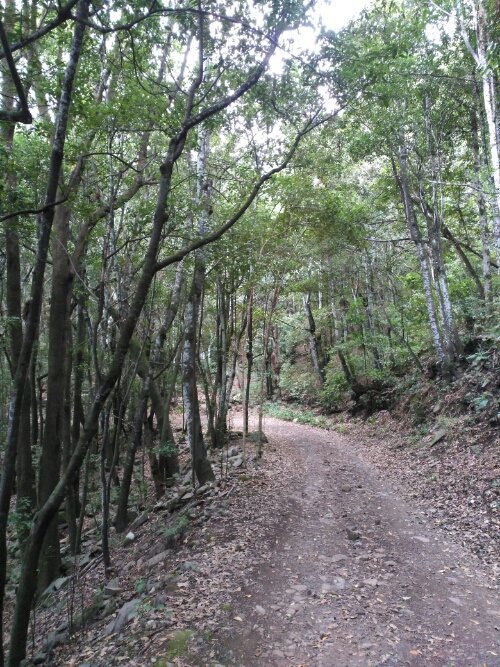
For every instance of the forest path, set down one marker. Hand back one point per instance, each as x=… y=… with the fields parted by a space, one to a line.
x=354 y=576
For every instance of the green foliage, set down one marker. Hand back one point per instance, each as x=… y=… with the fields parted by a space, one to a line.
x=140 y=585
x=20 y=519
x=479 y=357
x=299 y=415
x=177 y=647
x=419 y=409
x=334 y=390
x=175 y=531
x=167 y=449
x=298 y=383
x=331 y=228
x=482 y=401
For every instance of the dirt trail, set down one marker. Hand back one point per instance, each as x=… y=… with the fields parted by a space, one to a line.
x=357 y=576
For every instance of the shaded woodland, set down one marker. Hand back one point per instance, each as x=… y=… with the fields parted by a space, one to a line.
x=199 y=210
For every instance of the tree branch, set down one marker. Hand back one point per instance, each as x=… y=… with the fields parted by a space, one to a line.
x=214 y=236
x=32 y=211
x=21 y=115
x=62 y=15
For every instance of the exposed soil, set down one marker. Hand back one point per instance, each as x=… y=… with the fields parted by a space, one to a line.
x=452 y=473
x=313 y=557
x=356 y=576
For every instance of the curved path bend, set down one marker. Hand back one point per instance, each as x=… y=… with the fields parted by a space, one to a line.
x=357 y=577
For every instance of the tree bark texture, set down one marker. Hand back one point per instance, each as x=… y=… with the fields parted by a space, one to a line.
x=201 y=466
x=416 y=236
x=15 y=410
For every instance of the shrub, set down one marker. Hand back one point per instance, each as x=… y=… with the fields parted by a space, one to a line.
x=299 y=415
x=334 y=389
x=298 y=383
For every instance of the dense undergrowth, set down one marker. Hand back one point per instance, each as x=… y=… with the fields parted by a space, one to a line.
x=473 y=390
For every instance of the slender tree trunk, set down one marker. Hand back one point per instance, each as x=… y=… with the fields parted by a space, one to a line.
x=83 y=505
x=202 y=469
x=34 y=406
x=268 y=316
x=205 y=376
x=225 y=401
x=121 y=519
x=403 y=340
x=433 y=216
x=275 y=364
x=314 y=342
x=491 y=110
x=71 y=500
x=105 y=447
x=25 y=478
x=414 y=229
x=249 y=355
x=80 y=363
x=62 y=284
x=168 y=460
x=370 y=320
x=45 y=220
x=50 y=460
x=221 y=377
x=447 y=234
x=338 y=339
x=481 y=56
x=480 y=174
x=200 y=463
x=451 y=342
x=25 y=490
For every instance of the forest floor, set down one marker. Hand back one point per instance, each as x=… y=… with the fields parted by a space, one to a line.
x=356 y=575
x=318 y=556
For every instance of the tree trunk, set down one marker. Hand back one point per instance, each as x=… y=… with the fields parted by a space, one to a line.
x=80 y=363
x=50 y=460
x=338 y=337
x=314 y=342
x=491 y=110
x=168 y=460
x=71 y=501
x=480 y=175
x=18 y=641
x=415 y=234
x=121 y=519
x=268 y=316
x=370 y=319
x=201 y=467
x=225 y=401
x=200 y=463
x=249 y=355
x=482 y=59
x=433 y=216
x=465 y=260
x=25 y=488
x=205 y=375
